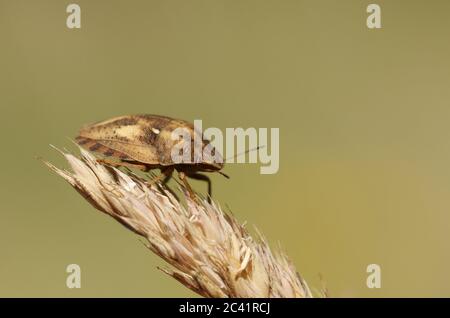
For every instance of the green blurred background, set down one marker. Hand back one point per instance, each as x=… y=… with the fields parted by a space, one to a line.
x=363 y=115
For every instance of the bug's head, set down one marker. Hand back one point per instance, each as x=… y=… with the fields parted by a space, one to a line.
x=212 y=160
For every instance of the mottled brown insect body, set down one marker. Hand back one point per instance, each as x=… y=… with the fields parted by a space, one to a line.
x=145 y=142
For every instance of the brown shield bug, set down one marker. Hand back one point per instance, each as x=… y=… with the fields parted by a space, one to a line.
x=145 y=142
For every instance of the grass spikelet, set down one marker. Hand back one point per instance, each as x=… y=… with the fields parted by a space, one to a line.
x=208 y=250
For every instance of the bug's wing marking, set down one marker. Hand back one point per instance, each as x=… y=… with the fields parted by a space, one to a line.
x=141 y=153
x=96 y=146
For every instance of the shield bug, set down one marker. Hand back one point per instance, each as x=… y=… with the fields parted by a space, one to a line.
x=145 y=142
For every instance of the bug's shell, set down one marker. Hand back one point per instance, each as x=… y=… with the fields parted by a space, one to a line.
x=141 y=138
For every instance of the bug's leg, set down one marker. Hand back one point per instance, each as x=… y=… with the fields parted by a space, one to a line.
x=165 y=174
x=202 y=177
x=167 y=178
x=183 y=178
x=164 y=186
x=117 y=164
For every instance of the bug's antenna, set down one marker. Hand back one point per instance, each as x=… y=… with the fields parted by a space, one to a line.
x=243 y=153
